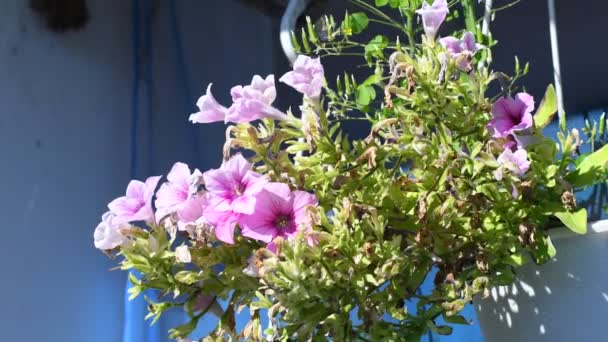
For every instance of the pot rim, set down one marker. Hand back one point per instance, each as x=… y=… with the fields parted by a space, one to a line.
x=597 y=227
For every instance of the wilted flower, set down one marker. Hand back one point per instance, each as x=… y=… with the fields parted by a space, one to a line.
x=209 y=109
x=278 y=212
x=511 y=115
x=517 y=162
x=307 y=76
x=433 y=16
x=107 y=235
x=462 y=49
x=136 y=205
x=232 y=191
x=254 y=101
x=182 y=254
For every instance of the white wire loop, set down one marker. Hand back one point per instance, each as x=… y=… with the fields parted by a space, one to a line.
x=295 y=8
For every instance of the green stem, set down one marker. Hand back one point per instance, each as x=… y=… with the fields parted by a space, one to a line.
x=382 y=22
x=468 y=7
x=378 y=13
x=410 y=32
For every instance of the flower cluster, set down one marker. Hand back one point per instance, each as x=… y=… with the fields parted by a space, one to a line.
x=220 y=199
x=453 y=184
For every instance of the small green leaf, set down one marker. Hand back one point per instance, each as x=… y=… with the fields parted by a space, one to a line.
x=456 y=319
x=590 y=170
x=551 y=251
x=365 y=95
x=576 y=221
x=373 y=79
x=547 y=109
x=381 y=3
x=355 y=23
x=375 y=47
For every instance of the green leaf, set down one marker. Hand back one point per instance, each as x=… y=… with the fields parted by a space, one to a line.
x=456 y=319
x=381 y=3
x=551 y=251
x=590 y=170
x=359 y=22
x=365 y=95
x=547 y=109
x=373 y=79
x=375 y=47
x=576 y=221
x=355 y=23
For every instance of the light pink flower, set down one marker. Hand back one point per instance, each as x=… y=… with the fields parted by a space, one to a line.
x=224 y=223
x=178 y=196
x=231 y=191
x=107 y=235
x=433 y=16
x=137 y=204
x=511 y=115
x=278 y=212
x=209 y=109
x=191 y=213
x=307 y=76
x=461 y=50
x=516 y=162
x=253 y=102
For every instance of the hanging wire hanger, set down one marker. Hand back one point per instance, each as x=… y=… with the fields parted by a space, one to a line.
x=557 y=73
x=295 y=8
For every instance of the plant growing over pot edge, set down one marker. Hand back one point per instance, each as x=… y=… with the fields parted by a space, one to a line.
x=313 y=228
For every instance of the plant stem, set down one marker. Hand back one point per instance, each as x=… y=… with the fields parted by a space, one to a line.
x=410 y=32
x=378 y=13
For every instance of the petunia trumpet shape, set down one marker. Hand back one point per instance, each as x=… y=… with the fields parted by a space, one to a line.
x=254 y=102
x=516 y=162
x=231 y=190
x=136 y=205
x=209 y=109
x=279 y=212
x=107 y=235
x=178 y=196
x=462 y=49
x=511 y=115
x=433 y=16
x=249 y=103
x=307 y=76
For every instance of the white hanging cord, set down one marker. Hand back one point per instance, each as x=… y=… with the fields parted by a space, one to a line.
x=294 y=10
x=557 y=74
x=485 y=29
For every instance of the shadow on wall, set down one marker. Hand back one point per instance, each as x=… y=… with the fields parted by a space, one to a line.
x=563 y=300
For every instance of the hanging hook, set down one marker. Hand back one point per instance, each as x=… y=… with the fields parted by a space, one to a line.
x=294 y=10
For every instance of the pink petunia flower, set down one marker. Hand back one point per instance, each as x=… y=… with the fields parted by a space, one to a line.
x=462 y=49
x=279 y=212
x=180 y=194
x=307 y=76
x=136 y=205
x=232 y=191
x=516 y=162
x=107 y=235
x=433 y=16
x=254 y=102
x=209 y=109
x=511 y=115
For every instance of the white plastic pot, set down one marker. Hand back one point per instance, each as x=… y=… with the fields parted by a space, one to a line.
x=565 y=299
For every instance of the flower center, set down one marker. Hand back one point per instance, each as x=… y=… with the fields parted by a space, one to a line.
x=282 y=222
x=239 y=189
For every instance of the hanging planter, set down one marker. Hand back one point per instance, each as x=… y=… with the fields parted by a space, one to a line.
x=331 y=237
x=565 y=299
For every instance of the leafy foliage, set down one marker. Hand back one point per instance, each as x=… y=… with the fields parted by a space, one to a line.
x=418 y=194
